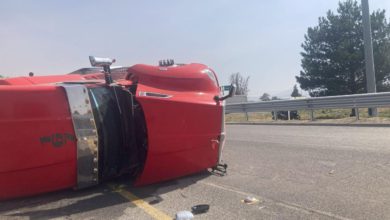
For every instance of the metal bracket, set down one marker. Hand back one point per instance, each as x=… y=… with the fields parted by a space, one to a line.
x=220 y=169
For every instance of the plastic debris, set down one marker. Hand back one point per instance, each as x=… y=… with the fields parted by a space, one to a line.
x=331 y=172
x=250 y=200
x=156 y=199
x=184 y=215
x=198 y=209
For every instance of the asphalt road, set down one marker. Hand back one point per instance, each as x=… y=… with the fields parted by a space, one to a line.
x=296 y=172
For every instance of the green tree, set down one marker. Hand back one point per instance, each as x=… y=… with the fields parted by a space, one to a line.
x=333 y=53
x=295 y=92
x=241 y=83
x=1 y=76
x=265 y=97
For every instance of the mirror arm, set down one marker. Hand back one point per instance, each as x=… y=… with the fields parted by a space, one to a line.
x=232 y=92
x=107 y=74
x=217 y=98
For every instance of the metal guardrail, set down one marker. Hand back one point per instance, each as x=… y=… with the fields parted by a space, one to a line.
x=328 y=102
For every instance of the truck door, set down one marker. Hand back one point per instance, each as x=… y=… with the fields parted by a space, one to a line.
x=183 y=136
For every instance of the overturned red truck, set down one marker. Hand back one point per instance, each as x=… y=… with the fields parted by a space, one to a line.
x=153 y=123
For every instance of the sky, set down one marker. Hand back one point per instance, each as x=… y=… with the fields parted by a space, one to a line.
x=260 y=39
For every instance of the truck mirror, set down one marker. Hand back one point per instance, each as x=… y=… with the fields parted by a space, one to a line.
x=105 y=63
x=232 y=90
x=100 y=62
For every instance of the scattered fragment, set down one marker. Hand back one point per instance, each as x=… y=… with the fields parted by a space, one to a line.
x=184 y=215
x=261 y=207
x=183 y=195
x=156 y=199
x=198 y=209
x=331 y=171
x=250 y=200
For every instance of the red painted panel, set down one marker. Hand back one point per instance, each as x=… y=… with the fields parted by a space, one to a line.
x=184 y=127
x=36 y=180
x=184 y=78
x=37 y=145
x=40 y=79
x=182 y=135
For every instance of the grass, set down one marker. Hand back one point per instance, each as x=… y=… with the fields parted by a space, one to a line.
x=324 y=115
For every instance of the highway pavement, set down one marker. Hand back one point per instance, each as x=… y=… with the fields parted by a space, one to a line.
x=295 y=172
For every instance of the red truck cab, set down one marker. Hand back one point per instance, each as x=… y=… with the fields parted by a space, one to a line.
x=76 y=130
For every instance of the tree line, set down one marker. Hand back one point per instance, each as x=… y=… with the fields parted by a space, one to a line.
x=333 y=52
x=333 y=55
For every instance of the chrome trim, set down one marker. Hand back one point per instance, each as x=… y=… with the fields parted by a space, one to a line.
x=86 y=134
x=222 y=135
x=154 y=94
x=82 y=82
x=89 y=70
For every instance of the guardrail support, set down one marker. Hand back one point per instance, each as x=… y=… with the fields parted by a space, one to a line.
x=275 y=114
x=246 y=116
x=312 y=115
x=289 y=117
x=357 y=114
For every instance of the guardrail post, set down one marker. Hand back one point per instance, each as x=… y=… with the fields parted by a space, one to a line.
x=246 y=116
x=372 y=112
x=312 y=115
x=289 y=117
x=357 y=114
x=275 y=115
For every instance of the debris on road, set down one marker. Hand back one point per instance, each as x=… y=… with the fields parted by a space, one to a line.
x=198 y=209
x=184 y=215
x=250 y=200
x=156 y=199
x=331 y=172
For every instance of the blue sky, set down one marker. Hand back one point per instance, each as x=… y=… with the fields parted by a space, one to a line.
x=260 y=39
